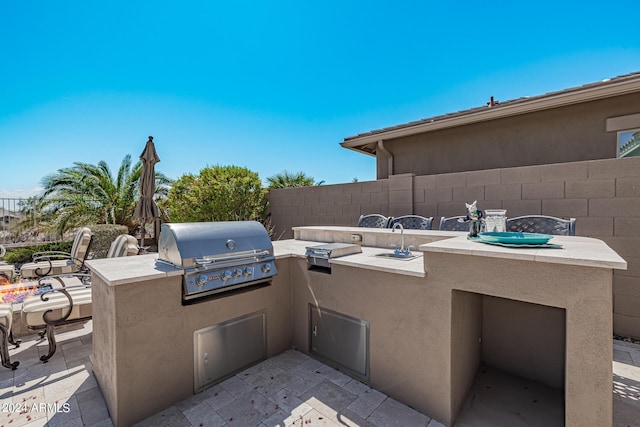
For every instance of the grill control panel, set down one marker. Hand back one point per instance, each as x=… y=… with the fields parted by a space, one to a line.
x=208 y=281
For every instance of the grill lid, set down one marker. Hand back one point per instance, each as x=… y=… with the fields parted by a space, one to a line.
x=194 y=244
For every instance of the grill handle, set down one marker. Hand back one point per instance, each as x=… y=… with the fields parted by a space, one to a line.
x=205 y=261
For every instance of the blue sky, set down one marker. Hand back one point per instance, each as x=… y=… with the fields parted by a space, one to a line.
x=275 y=85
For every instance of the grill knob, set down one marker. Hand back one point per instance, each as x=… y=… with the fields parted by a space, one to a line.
x=266 y=267
x=226 y=275
x=202 y=280
x=248 y=271
x=237 y=272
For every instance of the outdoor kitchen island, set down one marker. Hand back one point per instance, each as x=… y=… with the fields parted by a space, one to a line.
x=447 y=333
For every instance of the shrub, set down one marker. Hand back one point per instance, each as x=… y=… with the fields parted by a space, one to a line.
x=103 y=236
x=218 y=193
x=24 y=254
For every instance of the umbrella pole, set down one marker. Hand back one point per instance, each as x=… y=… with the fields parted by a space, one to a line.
x=142 y=232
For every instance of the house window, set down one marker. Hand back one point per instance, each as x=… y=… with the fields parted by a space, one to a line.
x=629 y=143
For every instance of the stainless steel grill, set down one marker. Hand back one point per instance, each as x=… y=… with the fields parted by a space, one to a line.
x=217 y=256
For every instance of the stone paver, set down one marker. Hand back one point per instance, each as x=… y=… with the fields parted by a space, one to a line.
x=626 y=384
x=393 y=413
x=290 y=389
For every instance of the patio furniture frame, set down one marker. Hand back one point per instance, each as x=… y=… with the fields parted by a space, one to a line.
x=72 y=297
x=453 y=224
x=374 y=221
x=72 y=287
x=6 y=337
x=412 y=222
x=59 y=260
x=542 y=224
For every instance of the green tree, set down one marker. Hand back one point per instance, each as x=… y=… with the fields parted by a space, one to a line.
x=218 y=193
x=91 y=194
x=288 y=179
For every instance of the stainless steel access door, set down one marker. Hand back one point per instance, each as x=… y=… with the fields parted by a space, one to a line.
x=340 y=340
x=223 y=349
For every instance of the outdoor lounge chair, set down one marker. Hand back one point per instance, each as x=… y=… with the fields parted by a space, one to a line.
x=56 y=262
x=123 y=245
x=6 y=336
x=452 y=223
x=412 y=222
x=6 y=272
x=69 y=300
x=542 y=224
x=373 y=221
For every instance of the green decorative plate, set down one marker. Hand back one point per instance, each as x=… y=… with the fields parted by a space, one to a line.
x=512 y=238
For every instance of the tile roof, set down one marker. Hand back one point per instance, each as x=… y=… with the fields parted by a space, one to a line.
x=533 y=101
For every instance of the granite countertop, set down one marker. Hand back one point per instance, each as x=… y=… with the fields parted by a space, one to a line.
x=576 y=250
x=367 y=259
x=119 y=271
x=581 y=251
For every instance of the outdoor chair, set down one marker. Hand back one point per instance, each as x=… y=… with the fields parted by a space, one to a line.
x=373 y=221
x=123 y=245
x=6 y=272
x=57 y=262
x=412 y=222
x=6 y=335
x=68 y=298
x=542 y=224
x=453 y=224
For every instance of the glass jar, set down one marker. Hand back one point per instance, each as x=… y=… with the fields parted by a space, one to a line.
x=495 y=220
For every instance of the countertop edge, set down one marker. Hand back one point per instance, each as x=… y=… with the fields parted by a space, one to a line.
x=579 y=251
x=131 y=269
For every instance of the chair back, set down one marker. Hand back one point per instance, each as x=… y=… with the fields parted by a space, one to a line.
x=452 y=224
x=412 y=222
x=123 y=245
x=542 y=224
x=81 y=244
x=373 y=221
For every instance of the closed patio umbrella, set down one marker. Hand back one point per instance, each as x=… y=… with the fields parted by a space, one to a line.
x=147 y=208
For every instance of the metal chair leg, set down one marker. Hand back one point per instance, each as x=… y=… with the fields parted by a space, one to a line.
x=13 y=341
x=51 y=339
x=4 y=349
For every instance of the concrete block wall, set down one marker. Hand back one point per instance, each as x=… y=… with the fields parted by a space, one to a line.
x=603 y=196
x=340 y=204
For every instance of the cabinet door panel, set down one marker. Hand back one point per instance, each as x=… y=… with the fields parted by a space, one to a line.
x=341 y=339
x=223 y=349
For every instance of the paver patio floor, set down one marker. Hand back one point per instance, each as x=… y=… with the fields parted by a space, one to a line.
x=288 y=389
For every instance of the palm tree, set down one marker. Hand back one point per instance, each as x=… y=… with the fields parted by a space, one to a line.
x=288 y=179
x=86 y=193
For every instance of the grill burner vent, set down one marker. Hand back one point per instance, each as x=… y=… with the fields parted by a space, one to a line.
x=217 y=256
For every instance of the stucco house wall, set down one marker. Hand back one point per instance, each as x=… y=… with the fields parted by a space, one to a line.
x=603 y=195
x=564 y=134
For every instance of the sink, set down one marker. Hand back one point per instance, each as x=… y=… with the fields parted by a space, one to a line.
x=396 y=256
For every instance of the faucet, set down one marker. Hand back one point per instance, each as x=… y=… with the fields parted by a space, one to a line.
x=402 y=250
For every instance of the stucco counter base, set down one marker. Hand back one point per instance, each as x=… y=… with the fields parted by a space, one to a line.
x=143 y=337
x=434 y=322
x=543 y=315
